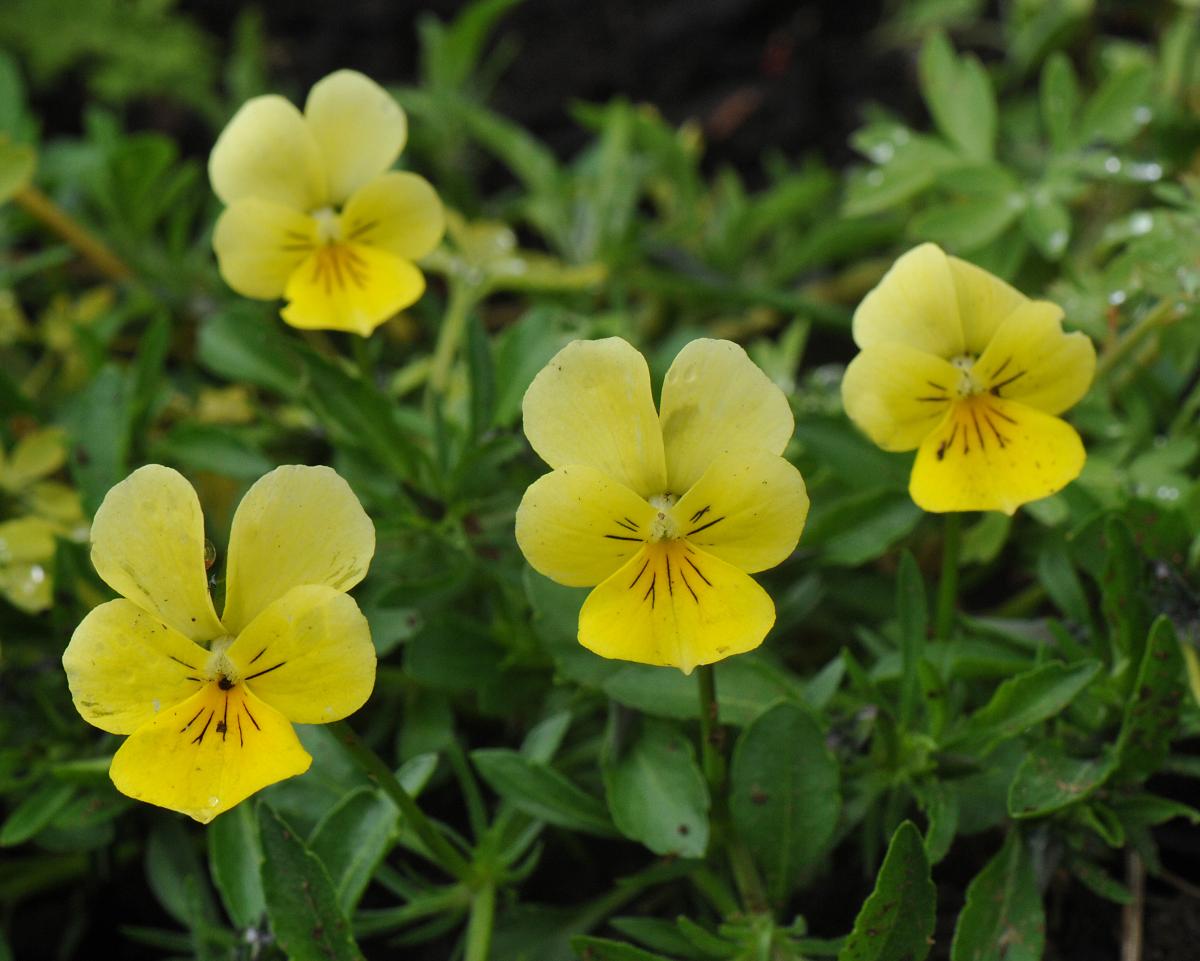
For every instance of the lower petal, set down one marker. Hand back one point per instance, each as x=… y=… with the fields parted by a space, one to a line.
x=897 y=394
x=676 y=606
x=991 y=454
x=350 y=287
x=260 y=244
x=207 y=754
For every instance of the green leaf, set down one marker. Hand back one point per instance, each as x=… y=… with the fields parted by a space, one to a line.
x=301 y=901
x=1059 y=94
x=1124 y=597
x=1003 y=919
x=1047 y=224
x=657 y=794
x=959 y=96
x=212 y=447
x=234 y=856
x=17 y=164
x=896 y=921
x=542 y=792
x=98 y=420
x=1120 y=108
x=1152 y=710
x=242 y=346
x=1048 y=780
x=602 y=949
x=482 y=376
x=352 y=839
x=35 y=812
x=785 y=797
x=1026 y=700
x=175 y=875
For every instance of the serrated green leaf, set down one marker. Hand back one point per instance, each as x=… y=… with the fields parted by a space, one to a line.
x=1120 y=108
x=1048 y=780
x=542 y=792
x=1152 y=712
x=959 y=95
x=1003 y=918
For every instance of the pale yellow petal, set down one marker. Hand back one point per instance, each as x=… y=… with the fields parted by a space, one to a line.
x=267 y=151
x=994 y=455
x=591 y=405
x=984 y=303
x=26 y=552
x=1031 y=360
x=398 y=212
x=359 y=129
x=748 y=509
x=309 y=655
x=715 y=399
x=208 y=753
x=350 y=287
x=260 y=244
x=915 y=303
x=897 y=394
x=124 y=666
x=674 y=605
x=58 y=504
x=148 y=546
x=296 y=526
x=577 y=525
x=35 y=456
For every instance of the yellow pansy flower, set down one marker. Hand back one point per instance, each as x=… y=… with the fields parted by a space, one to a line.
x=209 y=703
x=666 y=511
x=312 y=212
x=957 y=364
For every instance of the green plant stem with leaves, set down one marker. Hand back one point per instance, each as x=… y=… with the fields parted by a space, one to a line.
x=947 y=597
x=462 y=299
x=90 y=248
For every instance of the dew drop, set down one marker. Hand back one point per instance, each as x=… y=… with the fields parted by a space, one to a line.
x=1141 y=223
x=882 y=153
x=1113 y=165
x=156 y=704
x=213 y=802
x=1057 y=241
x=1165 y=493
x=1142 y=114
x=37 y=573
x=1117 y=297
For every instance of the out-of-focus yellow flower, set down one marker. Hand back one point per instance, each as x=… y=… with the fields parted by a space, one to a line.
x=969 y=371
x=209 y=703
x=667 y=511
x=312 y=212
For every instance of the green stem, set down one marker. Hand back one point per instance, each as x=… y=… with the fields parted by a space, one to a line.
x=361 y=349
x=710 y=734
x=440 y=850
x=947 y=600
x=454 y=323
x=89 y=247
x=1165 y=311
x=479 y=924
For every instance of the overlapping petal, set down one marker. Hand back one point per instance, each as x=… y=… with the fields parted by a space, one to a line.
x=358 y=128
x=716 y=399
x=124 y=666
x=398 y=212
x=592 y=406
x=268 y=152
x=260 y=244
x=577 y=526
x=748 y=509
x=296 y=526
x=984 y=303
x=898 y=394
x=204 y=755
x=148 y=546
x=916 y=303
x=309 y=655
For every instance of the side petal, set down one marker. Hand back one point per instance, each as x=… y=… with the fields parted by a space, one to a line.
x=994 y=455
x=1031 y=360
x=359 y=128
x=592 y=405
x=984 y=303
x=148 y=546
x=676 y=606
x=260 y=244
x=915 y=303
x=897 y=394
x=577 y=525
x=350 y=287
x=715 y=399
x=398 y=212
x=748 y=509
x=207 y=754
x=309 y=655
x=295 y=526
x=268 y=151
x=124 y=666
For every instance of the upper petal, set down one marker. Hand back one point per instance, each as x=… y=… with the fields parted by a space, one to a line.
x=1032 y=360
x=984 y=303
x=260 y=244
x=148 y=546
x=748 y=509
x=309 y=655
x=398 y=212
x=897 y=394
x=268 y=151
x=577 y=525
x=674 y=605
x=350 y=287
x=295 y=526
x=124 y=666
x=206 y=754
x=359 y=129
x=994 y=455
x=592 y=405
x=916 y=303
x=715 y=399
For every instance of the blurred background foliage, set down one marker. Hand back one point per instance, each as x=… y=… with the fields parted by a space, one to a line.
x=1045 y=751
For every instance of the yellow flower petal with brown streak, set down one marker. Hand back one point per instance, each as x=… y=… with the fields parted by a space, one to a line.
x=398 y=212
x=260 y=244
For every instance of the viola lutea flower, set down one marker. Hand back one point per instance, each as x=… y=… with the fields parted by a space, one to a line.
x=957 y=364
x=312 y=212
x=667 y=512
x=208 y=703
